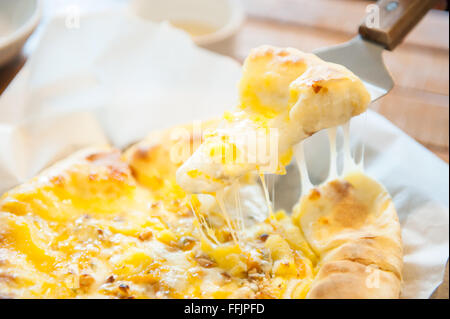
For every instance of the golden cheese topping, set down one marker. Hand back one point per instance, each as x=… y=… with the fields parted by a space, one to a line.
x=102 y=224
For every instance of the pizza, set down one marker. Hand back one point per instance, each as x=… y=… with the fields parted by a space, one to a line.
x=184 y=213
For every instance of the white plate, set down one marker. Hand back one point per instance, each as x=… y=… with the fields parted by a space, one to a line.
x=18 y=19
x=225 y=17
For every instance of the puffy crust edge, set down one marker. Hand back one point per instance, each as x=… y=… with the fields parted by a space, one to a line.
x=365 y=267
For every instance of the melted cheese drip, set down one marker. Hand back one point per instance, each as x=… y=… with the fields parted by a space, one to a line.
x=306 y=184
x=266 y=194
x=203 y=226
x=332 y=172
x=230 y=223
x=349 y=162
x=240 y=217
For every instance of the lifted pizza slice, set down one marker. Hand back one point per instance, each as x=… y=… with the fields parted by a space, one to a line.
x=285 y=96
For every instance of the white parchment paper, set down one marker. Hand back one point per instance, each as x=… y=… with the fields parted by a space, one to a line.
x=116 y=78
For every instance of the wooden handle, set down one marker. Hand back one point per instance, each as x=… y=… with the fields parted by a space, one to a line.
x=389 y=21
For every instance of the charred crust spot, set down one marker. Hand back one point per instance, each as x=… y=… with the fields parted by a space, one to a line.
x=141 y=153
x=263 y=237
x=283 y=55
x=86 y=280
x=7 y=277
x=110 y=279
x=145 y=152
x=253 y=267
x=118 y=170
x=205 y=261
x=134 y=172
x=316 y=87
x=308 y=133
x=323 y=221
x=118 y=174
x=155 y=204
x=262 y=52
x=341 y=188
x=145 y=236
x=314 y=194
x=348 y=211
x=227 y=237
x=226 y=275
x=99 y=158
x=187 y=243
x=124 y=289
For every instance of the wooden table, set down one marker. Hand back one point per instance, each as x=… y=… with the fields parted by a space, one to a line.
x=419 y=103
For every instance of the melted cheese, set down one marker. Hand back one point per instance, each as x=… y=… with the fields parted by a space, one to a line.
x=106 y=224
x=285 y=96
x=102 y=224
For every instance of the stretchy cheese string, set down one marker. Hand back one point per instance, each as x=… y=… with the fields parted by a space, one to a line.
x=226 y=216
x=332 y=172
x=209 y=235
x=266 y=195
x=349 y=160
x=272 y=189
x=349 y=163
x=306 y=184
x=360 y=164
x=240 y=216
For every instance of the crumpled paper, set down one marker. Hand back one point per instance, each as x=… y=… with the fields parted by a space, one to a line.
x=117 y=77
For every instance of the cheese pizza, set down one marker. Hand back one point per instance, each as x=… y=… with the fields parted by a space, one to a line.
x=185 y=213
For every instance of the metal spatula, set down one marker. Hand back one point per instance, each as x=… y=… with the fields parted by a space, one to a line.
x=385 y=26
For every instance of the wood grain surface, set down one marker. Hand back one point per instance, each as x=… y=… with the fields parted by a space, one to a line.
x=395 y=20
x=419 y=103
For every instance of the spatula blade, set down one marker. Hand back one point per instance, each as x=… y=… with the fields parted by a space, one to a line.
x=365 y=59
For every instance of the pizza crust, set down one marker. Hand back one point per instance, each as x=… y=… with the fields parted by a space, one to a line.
x=345 y=279
x=353 y=227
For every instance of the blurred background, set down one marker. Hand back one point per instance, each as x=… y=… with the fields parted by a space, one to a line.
x=419 y=103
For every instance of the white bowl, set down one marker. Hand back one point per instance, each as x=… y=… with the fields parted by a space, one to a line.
x=225 y=17
x=18 y=19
